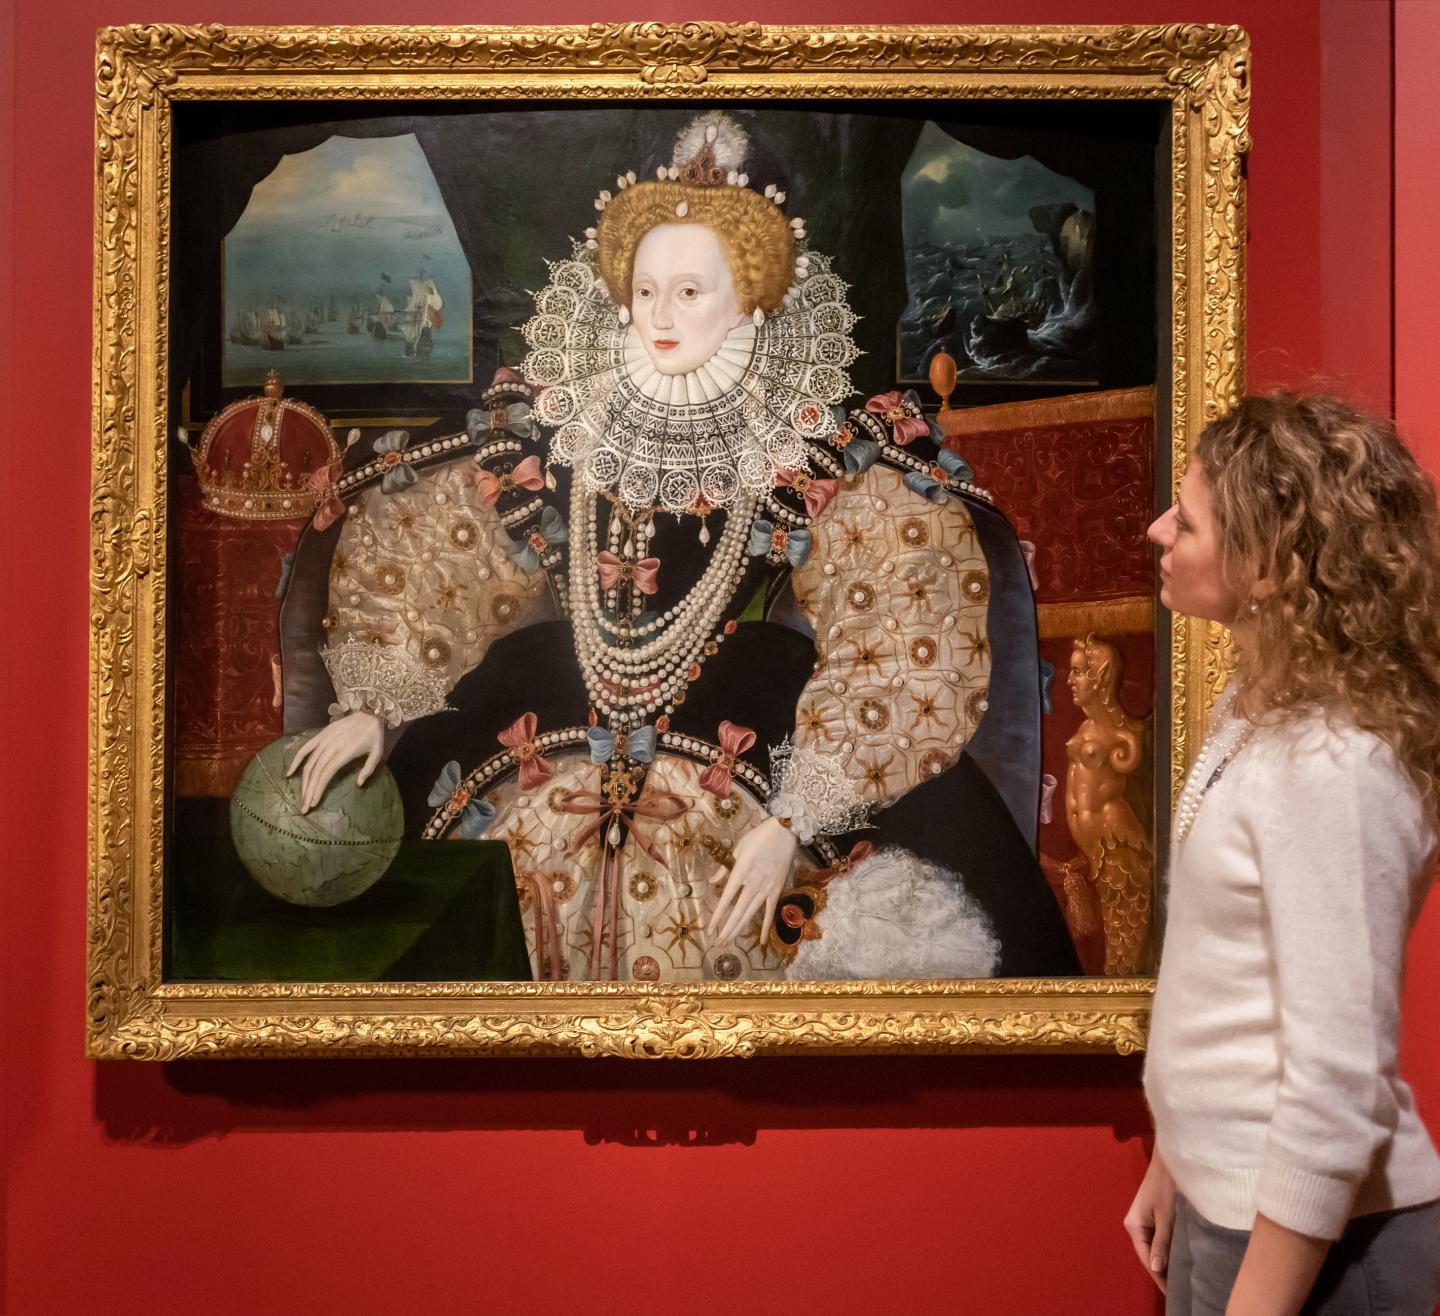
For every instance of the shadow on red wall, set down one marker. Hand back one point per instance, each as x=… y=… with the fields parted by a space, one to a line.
x=613 y=1101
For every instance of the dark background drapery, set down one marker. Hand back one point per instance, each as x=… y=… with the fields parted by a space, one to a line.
x=519 y=181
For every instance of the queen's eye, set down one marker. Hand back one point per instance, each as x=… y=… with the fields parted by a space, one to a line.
x=643 y=292
x=689 y=292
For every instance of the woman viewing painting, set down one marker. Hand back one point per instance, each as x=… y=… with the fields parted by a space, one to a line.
x=1291 y=1171
x=703 y=641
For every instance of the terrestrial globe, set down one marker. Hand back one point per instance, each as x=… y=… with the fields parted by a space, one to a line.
x=332 y=854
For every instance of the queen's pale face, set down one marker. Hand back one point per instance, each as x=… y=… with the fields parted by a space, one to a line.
x=683 y=298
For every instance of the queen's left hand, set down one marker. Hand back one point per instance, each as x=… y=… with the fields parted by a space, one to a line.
x=762 y=863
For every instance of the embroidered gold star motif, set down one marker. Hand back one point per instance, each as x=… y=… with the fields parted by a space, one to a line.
x=853 y=536
x=925 y=709
x=809 y=719
x=868 y=655
x=972 y=645
x=681 y=932
x=521 y=839
x=877 y=773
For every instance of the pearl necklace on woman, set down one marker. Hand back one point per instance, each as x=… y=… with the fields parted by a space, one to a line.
x=629 y=683
x=1227 y=737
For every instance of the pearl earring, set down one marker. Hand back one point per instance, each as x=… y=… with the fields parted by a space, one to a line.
x=758 y=316
x=624 y=315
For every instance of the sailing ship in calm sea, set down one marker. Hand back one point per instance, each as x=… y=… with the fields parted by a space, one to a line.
x=421 y=317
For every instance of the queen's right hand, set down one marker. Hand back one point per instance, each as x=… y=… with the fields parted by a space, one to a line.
x=330 y=749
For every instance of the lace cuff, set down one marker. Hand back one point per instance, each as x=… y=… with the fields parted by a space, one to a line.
x=813 y=793
x=382 y=679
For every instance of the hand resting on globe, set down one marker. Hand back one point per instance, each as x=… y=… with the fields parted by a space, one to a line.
x=330 y=749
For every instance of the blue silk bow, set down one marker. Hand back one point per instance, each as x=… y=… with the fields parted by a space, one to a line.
x=797 y=543
x=475 y=817
x=859 y=454
x=401 y=475
x=552 y=531
x=640 y=747
x=518 y=421
x=954 y=466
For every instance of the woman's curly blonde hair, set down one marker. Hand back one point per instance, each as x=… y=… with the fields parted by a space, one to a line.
x=757 y=237
x=1337 y=530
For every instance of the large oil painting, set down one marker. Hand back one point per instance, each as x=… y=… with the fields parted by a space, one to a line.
x=665 y=547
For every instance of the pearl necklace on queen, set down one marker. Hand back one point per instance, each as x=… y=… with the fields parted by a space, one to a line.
x=1227 y=737
x=628 y=682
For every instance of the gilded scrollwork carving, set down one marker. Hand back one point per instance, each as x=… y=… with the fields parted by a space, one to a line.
x=683 y=1027
x=142 y=70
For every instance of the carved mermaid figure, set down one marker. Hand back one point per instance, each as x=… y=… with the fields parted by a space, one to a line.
x=1102 y=754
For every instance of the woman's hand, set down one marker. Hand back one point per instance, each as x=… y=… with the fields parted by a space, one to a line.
x=762 y=863
x=1151 y=1218
x=329 y=750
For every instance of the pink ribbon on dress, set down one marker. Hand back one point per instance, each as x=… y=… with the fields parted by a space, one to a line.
x=330 y=508
x=654 y=805
x=734 y=741
x=645 y=572
x=525 y=476
x=547 y=925
x=519 y=738
x=660 y=806
x=904 y=427
x=817 y=493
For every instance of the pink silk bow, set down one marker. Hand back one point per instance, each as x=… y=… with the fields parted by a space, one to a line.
x=525 y=476
x=904 y=427
x=519 y=738
x=644 y=572
x=734 y=741
x=818 y=494
x=330 y=509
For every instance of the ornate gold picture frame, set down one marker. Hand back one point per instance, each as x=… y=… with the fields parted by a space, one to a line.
x=1195 y=79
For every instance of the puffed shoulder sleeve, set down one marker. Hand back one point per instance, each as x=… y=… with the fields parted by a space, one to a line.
x=896 y=588
x=424 y=579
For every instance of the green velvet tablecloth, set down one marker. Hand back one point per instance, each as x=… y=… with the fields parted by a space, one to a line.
x=444 y=910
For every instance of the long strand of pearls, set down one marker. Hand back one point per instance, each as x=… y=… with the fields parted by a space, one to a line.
x=1227 y=735
x=627 y=683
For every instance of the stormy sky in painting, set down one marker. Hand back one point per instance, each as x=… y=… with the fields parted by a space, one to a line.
x=956 y=194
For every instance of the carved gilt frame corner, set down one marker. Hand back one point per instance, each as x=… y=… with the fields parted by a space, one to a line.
x=142 y=71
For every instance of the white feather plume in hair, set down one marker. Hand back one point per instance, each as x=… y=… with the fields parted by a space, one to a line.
x=727 y=139
x=895 y=915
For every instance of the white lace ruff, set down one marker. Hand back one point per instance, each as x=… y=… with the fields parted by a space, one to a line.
x=724 y=429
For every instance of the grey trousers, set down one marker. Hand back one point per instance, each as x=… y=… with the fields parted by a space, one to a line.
x=1386 y=1264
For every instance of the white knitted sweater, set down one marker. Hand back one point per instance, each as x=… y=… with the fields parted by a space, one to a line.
x=1271 y=1070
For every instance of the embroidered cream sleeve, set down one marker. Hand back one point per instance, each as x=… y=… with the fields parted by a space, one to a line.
x=896 y=588
x=421 y=585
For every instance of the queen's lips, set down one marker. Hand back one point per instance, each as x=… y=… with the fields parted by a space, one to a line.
x=665 y=344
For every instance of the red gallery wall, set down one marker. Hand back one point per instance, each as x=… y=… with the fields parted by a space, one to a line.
x=964 y=1184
